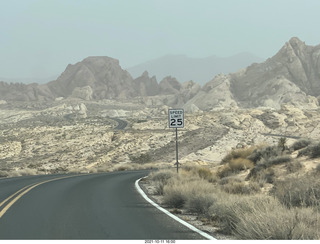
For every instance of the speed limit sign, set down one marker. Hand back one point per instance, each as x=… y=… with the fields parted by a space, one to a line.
x=176 y=118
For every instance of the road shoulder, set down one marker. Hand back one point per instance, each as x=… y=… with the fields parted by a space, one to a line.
x=148 y=188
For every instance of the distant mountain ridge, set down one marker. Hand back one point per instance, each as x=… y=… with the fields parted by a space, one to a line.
x=291 y=76
x=199 y=70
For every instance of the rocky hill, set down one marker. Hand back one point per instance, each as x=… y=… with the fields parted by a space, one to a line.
x=100 y=77
x=290 y=76
x=22 y=92
x=200 y=70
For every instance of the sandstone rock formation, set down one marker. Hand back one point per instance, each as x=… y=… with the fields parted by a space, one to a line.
x=146 y=86
x=291 y=76
x=102 y=74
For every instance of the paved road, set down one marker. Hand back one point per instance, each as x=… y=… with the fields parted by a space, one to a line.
x=95 y=206
x=121 y=124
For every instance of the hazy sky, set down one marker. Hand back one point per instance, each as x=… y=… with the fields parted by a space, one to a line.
x=39 y=38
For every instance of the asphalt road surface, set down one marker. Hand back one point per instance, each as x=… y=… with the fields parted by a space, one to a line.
x=121 y=124
x=95 y=206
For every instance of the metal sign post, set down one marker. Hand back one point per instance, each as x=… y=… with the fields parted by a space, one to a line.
x=176 y=120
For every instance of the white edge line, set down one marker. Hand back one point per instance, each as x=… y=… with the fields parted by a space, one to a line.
x=191 y=227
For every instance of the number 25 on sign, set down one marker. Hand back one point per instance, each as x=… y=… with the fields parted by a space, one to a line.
x=176 y=118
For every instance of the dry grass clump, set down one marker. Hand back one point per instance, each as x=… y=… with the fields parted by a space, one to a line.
x=298 y=192
x=161 y=178
x=242 y=188
x=300 y=144
x=293 y=167
x=22 y=172
x=263 y=217
x=236 y=205
x=311 y=151
x=178 y=191
x=235 y=166
x=272 y=221
x=238 y=153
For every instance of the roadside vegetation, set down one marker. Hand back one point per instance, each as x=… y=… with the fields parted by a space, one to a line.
x=259 y=192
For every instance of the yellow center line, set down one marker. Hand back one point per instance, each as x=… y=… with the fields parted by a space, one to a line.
x=7 y=199
x=23 y=191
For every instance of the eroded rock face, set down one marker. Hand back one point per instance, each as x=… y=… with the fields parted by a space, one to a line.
x=103 y=74
x=215 y=94
x=146 y=86
x=292 y=75
x=84 y=93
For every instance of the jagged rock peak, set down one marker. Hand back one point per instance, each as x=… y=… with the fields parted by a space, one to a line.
x=95 y=59
x=145 y=74
x=295 y=41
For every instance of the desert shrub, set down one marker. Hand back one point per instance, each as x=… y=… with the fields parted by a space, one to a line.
x=161 y=175
x=159 y=187
x=274 y=222
x=204 y=173
x=276 y=160
x=228 y=180
x=307 y=151
x=261 y=175
x=243 y=188
x=294 y=167
x=300 y=144
x=262 y=168
x=199 y=203
x=240 y=164
x=161 y=178
x=234 y=166
x=282 y=143
x=298 y=192
x=264 y=153
x=224 y=171
x=312 y=151
x=3 y=173
x=178 y=191
x=262 y=217
x=238 y=153
x=122 y=168
x=141 y=159
x=315 y=153
x=228 y=210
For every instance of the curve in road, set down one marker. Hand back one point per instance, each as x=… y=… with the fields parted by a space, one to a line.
x=94 y=206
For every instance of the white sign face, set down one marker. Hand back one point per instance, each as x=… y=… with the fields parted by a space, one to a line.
x=176 y=118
